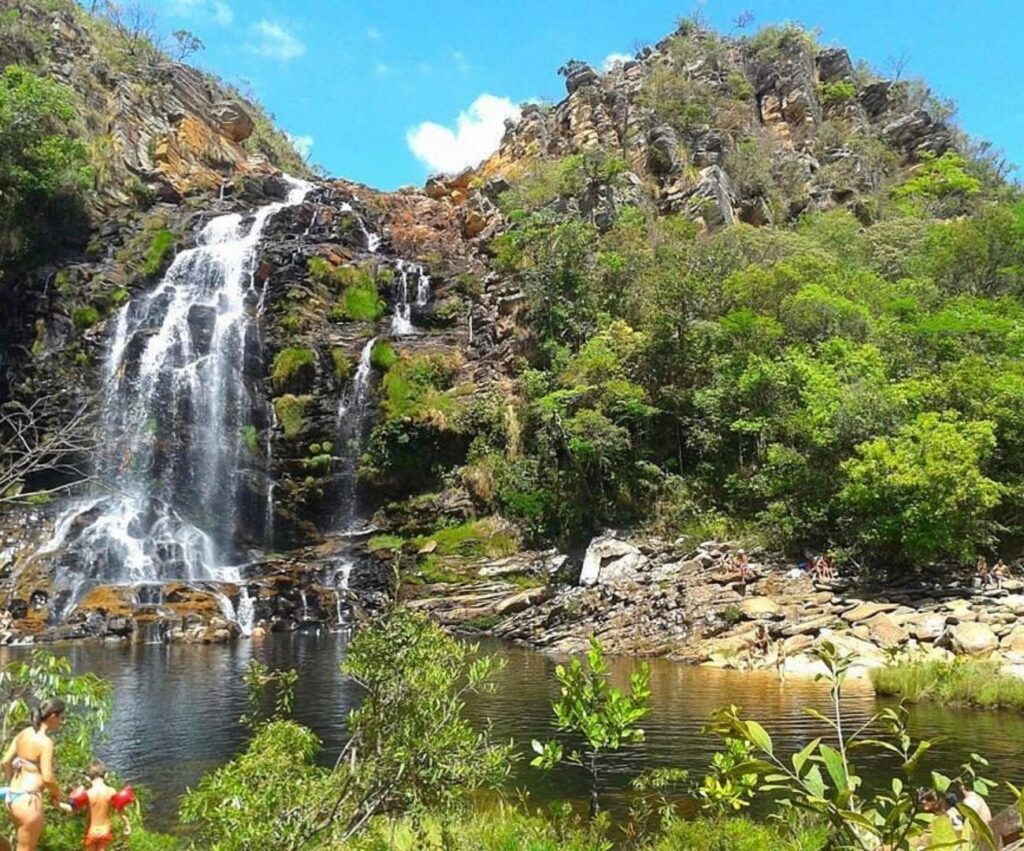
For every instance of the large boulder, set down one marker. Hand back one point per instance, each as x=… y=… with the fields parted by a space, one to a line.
x=885 y=632
x=758 y=608
x=929 y=627
x=234 y=121
x=834 y=64
x=974 y=639
x=609 y=561
x=866 y=611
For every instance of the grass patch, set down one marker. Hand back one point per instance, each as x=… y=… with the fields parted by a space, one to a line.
x=291 y=414
x=158 y=254
x=342 y=364
x=385 y=542
x=970 y=681
x=360 y=299
x=291 y=366
x=420 y=388
x=85 y=317
x=383 y=356
x=475 y=538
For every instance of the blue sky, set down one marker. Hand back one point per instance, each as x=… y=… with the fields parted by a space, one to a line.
x=358 y=81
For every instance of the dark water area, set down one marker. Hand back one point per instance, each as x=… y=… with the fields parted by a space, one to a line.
x=176 y=711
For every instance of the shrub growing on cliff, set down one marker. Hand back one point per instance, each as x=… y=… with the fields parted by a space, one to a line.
x=291 y=414
x=293 y=369
x=42 y=168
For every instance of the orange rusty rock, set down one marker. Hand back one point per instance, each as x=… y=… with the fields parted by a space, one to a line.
x=108 y=599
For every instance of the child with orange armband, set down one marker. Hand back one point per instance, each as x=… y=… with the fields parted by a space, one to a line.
x=99 y=798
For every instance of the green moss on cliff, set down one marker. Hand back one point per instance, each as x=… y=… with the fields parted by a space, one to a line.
x=292 y=366
x=291 y=414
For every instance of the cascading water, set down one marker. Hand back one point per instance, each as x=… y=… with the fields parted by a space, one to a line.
x=341 y=579
x=372 y=239
x=178 y=415
x=353 y=424
x=401 y=322
x=245 y=615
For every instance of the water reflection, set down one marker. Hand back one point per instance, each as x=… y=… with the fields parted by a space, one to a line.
x=176 y=714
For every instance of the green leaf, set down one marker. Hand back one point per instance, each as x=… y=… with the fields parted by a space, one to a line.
x=836 y=766
x=759 y=736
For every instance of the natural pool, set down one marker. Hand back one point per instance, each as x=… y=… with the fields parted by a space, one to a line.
x=176 y=711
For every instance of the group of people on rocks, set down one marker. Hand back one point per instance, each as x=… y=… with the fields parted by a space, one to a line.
x=30 y=770
x=988 y=576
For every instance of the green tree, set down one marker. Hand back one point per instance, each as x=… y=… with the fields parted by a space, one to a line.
x=590 y=706
x=922 y=494
x=42 y=166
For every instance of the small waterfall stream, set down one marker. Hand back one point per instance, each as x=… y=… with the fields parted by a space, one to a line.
x=177 y=408
x=353 y=426
x=401 y=323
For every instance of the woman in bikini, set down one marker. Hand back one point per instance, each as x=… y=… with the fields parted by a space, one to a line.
x=28 y=766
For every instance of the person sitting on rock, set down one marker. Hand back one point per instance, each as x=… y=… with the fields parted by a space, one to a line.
x=1000 y=573
x=982 y=573
x=824 y=568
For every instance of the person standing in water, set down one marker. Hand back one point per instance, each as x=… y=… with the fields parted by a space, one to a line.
x=29 y=769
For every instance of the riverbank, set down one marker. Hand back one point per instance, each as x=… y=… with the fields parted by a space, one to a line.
x=963 y=681
x=646 y=597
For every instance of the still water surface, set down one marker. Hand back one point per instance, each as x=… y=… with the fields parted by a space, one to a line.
x=176 y=711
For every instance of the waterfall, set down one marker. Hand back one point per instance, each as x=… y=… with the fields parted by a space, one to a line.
x=401 y=323
x=372 y=239
x=353 y=424
x=305 y=604
x=246 y=614
x=177 y=408
x=341 y=579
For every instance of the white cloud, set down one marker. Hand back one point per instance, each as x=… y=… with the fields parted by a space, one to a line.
x=222 y=13
x=373 y=33
x=381 y=69
x=459 y=58
x=613 y=59
x=217 y=11
x=478 y=131
x=274 y=42
x=302 y=144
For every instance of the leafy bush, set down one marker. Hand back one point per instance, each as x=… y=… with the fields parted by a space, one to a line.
x=938 y=186
x=85 y=317
x=43 y=168
x=383 y=355
x=922 y=494
x=837 y=92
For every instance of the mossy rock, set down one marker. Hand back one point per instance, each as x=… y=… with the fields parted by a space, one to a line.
x=342 y=364
x=291 y=414
x=294 y=370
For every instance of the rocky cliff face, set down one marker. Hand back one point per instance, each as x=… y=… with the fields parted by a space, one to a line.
x=387 y=339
